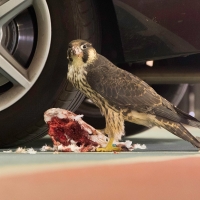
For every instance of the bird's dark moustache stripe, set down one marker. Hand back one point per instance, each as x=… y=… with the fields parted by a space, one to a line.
x=85 y=56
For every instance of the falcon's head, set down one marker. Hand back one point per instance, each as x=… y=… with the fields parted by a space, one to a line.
x=81 y=51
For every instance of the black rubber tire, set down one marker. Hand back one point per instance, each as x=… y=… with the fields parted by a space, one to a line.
x=172 y=93
x=23 y=121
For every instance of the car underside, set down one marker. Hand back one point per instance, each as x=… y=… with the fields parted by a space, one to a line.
x=34 y=36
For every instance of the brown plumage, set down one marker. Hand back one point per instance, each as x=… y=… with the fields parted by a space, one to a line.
x=122 y=96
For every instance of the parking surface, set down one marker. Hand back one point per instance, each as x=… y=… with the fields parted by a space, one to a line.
x=169 y=166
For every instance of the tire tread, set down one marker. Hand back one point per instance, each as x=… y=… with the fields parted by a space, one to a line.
x=87 y=27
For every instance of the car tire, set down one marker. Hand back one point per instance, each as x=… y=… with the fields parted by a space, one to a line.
x=23 y=121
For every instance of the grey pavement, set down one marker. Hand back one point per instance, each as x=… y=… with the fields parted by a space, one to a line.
x=160 y=145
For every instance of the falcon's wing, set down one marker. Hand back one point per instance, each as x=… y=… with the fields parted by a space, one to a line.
x=126 y=91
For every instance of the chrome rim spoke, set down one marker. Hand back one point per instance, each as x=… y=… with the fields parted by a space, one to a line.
x=20 y=69
x=12 y=8
x=16 y=74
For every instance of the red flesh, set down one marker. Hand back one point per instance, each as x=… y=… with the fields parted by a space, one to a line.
x=59 y=128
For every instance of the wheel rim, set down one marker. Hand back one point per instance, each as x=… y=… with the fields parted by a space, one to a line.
x=25 y=35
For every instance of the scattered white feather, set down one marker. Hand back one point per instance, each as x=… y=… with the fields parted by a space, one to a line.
x=24 y=150
x=7 y=151
x=71 y=147
x=20 y=150
x=100 y=139
x=128 y=144
x=46 y=148
x=77 y=117
x=74 y=148
x=139 y=146
x=31 y=151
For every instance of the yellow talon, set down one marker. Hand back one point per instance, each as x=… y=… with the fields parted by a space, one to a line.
x=109 y=147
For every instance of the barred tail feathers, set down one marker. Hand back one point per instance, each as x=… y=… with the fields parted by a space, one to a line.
x=179 y=130
x=187 y=119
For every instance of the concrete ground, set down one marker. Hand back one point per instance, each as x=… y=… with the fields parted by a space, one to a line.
x=168 y=169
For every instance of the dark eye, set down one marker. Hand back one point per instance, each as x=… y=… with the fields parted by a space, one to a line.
x=84 y=46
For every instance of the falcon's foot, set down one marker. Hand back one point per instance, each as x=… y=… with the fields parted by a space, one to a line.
x=109 y=147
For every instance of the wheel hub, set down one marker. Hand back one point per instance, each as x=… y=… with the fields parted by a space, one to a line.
x=19 y=39
x=24 y=24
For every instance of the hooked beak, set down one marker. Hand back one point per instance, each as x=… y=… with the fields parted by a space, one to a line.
x=74 y=51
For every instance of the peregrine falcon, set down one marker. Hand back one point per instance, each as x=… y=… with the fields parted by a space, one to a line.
x=122 y=96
